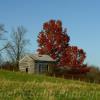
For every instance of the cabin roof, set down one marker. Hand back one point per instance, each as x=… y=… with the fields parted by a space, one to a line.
x=39 y=57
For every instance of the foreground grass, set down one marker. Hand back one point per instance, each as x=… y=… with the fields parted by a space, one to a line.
x=21 y=86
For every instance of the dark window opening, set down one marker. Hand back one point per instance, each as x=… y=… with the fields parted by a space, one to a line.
x=43 y=68
x=39 y=67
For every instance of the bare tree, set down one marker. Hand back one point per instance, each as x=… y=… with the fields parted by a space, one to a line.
x=16 y=47
x=2 y=30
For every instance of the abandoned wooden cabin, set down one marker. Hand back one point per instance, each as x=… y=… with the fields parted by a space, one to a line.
x=36 y=63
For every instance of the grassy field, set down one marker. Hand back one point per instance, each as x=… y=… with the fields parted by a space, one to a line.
x=21 y=86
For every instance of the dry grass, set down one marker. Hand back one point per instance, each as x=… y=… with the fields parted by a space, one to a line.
x=45 y=88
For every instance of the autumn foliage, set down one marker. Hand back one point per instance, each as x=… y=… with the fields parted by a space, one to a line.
x=54 y=41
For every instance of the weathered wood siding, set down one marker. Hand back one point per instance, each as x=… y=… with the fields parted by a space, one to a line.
x=27 y=62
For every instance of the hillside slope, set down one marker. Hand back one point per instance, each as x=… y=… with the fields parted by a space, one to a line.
x=22 y=86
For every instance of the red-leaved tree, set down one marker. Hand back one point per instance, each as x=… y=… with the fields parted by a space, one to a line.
x=54 y=41
x=74 y=57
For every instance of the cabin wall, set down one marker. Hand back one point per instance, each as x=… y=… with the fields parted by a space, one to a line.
x=51 y=67
x=43 y=67
x=27 y=65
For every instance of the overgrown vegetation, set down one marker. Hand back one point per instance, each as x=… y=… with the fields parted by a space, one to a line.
x=21 y=86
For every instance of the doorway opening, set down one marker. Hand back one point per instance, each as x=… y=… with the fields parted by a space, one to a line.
x=26 y=70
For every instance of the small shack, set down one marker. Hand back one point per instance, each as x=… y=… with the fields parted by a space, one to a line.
x=36 y=63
